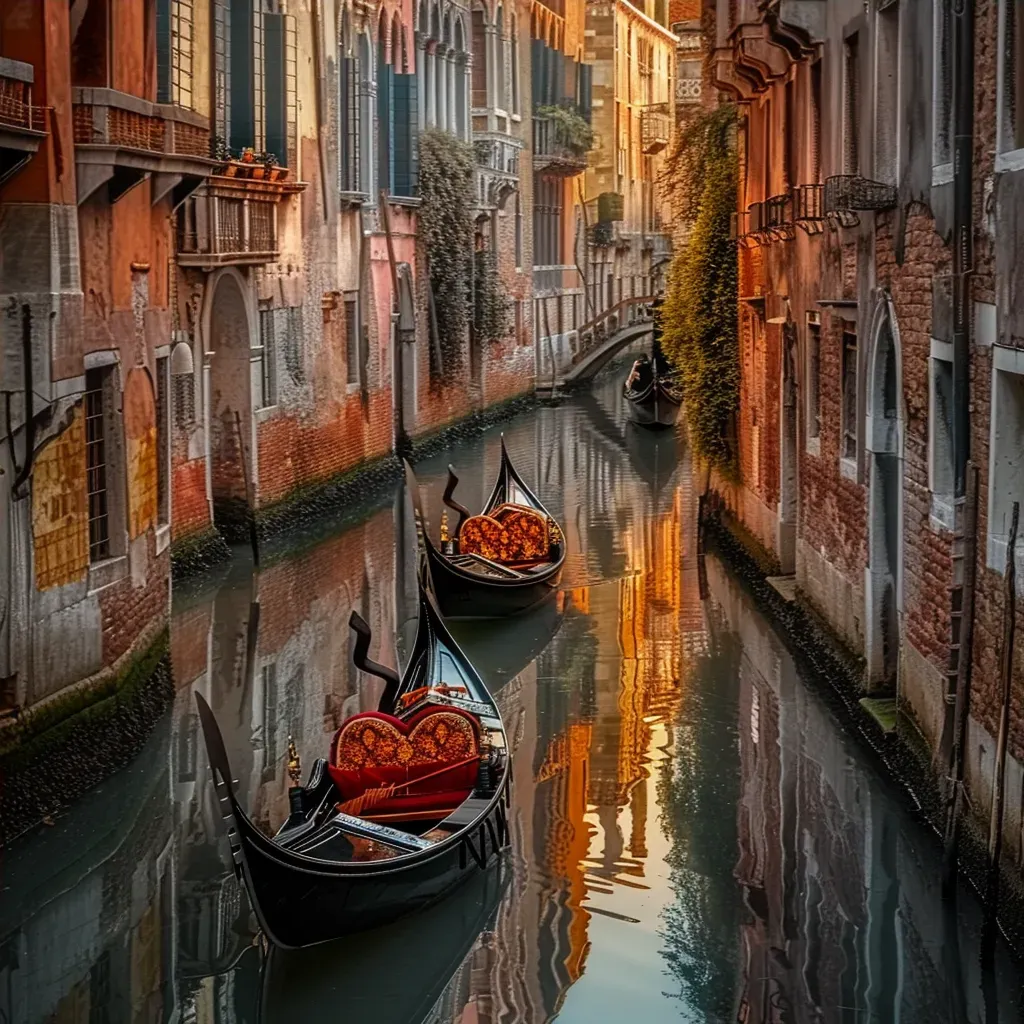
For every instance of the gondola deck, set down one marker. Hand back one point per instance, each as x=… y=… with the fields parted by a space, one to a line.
x=469 y=584
x=308 y=884
x=657 y=406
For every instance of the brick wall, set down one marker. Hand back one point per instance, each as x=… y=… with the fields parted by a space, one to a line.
x=127 y=609
x=190 y=509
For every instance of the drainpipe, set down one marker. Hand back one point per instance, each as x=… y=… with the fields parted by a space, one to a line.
x=958 y=686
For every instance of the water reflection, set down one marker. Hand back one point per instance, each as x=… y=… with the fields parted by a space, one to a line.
x=694 y=839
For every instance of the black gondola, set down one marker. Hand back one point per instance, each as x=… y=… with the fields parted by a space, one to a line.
x=367 y=839
x=655 y=406
x=395 y=975
x=477 y=573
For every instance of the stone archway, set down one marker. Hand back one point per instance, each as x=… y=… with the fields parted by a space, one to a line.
x=230 y=412
x=884 y=433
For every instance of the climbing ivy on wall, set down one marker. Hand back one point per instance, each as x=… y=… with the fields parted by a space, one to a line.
x=699 y=316
x=446 y=230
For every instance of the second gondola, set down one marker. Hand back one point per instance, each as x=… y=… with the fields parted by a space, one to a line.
x=411 y=802
x=497 y=563
x=655 y=406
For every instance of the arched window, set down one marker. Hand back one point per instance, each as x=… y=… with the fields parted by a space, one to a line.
x=405 y=123
x=364 y=54
x=501 y=59
x=461 y=108
x=348 y=110
x=514 y=32
x=385 y=111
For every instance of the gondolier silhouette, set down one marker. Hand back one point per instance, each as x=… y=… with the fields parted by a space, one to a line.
x=641 y=375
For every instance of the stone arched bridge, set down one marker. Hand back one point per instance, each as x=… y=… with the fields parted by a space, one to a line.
x=570 y=358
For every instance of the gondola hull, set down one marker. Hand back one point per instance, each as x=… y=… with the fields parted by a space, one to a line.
x=300 y=907
x=656 y=408
x=464 y=595
x=394 y=975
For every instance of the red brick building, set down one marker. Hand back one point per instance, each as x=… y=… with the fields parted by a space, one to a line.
x=857 y=416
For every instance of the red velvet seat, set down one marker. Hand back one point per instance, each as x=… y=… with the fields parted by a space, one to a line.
x=374 y=749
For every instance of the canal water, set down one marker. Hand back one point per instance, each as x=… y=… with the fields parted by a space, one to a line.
x=695 y=838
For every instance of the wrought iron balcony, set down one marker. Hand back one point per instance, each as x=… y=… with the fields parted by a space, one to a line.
x=655 y=130
x=848 y=193
x=756 y=219
x=120 y=139
x=554 y=153
x=497 y=168
x=778 y=217
x=808 y=207
x=232 y=221
x=22 y=125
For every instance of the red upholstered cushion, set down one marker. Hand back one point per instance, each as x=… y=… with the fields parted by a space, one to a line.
x=375 y=749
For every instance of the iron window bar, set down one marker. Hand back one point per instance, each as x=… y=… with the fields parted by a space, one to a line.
x=96 y=467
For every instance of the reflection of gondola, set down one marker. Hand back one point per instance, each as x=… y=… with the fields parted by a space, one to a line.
x=412 y=802
x=394 y=975
x=500 y=650
x=655 y=406
x=500 y=562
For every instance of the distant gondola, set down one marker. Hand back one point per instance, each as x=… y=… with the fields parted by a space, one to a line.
x=412 y=801
x=499 y=562
x=655 y=405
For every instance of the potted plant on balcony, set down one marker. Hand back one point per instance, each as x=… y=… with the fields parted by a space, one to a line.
x=219 y=150
x=273 y=171
x=572 y=131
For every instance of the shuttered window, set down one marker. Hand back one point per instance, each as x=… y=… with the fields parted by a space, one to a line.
x=815 y=115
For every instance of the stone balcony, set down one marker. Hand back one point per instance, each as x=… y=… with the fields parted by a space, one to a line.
x=22 y=124
x=232 y=220
x=497 y=168
x=121 y=139
x=655 y=131
x=552 y=153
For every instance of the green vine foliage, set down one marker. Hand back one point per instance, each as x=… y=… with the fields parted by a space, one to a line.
x=491 y=309
x=446 y=230
x=571 y=127
x=699 y=316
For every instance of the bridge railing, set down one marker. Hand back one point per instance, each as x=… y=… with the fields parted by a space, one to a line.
x=596 y=331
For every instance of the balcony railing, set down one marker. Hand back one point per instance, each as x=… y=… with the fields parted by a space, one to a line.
x=230 y=223
x=756 y=219
x=848 y=193
x=809 y=207
x=22 y=124
x=778 y=217
x=16 y=107
x=497 y=167
x=655 y=130
x=553 y=152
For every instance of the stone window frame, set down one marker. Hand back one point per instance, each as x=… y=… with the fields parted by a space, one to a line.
x=265 y=353
x=940 y=443
x=353 y=360
x=1006 y=362
x=942 y=92
x=1008 y=157
x=163 y=403
x=113 y=567
x=848 y=461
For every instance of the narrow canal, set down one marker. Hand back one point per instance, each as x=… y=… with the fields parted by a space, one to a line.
x=695 y=839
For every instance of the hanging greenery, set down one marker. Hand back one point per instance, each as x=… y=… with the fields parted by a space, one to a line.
x=446 y=230
x=491 y=311
x=571 y=128
x=699 y=316
x=448 y=199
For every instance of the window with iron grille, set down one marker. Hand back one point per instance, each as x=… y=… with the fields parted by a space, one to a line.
x=813 y=380
x=268 y=359
x=940 y=423
x=163 y=434
x=942 y=83
x=815 y=114
x=849 y=439
x=184 y=400
x=293 y=348
x=174 y=51
x=352 y=339
x=221 y=70
x=98 y=383
x=547 y=222
x=851 y=107
x=1011 y=60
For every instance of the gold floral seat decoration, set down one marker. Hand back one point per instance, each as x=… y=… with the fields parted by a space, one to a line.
x=511 y=535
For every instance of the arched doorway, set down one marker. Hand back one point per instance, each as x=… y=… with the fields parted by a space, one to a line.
x=883 y=590
x=230 y=405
